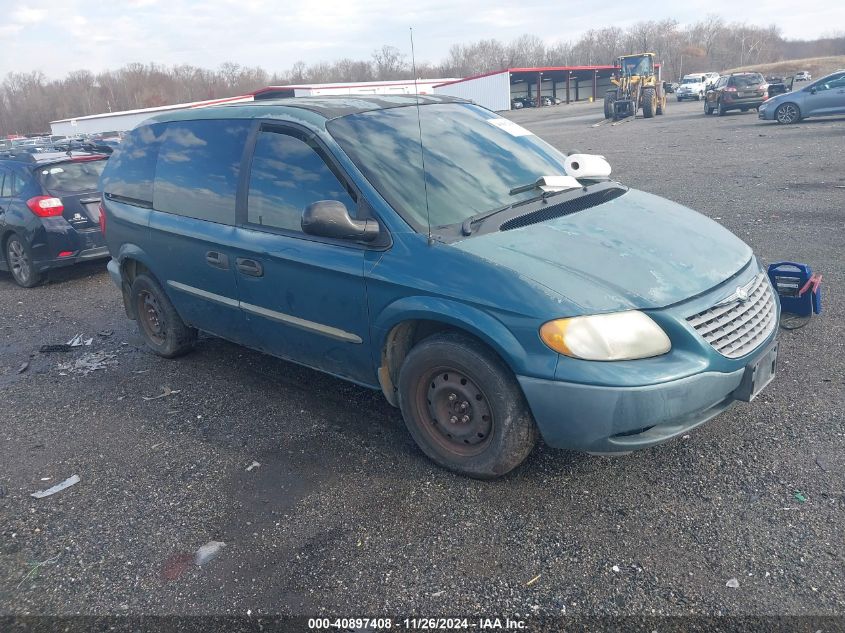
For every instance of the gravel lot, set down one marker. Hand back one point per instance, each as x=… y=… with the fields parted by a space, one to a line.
x=345 y=517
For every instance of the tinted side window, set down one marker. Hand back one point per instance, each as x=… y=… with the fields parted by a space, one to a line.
x=130 y=170
x=198 y=166
x=289 y=173
x=4 y=193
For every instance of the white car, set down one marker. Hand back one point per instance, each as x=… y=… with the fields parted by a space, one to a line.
x=803 y=75
x=692 y=87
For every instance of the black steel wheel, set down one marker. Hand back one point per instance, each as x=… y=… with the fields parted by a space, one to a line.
x=160 y=325
x=787 y=113
x=19 y=259
x=464 y=408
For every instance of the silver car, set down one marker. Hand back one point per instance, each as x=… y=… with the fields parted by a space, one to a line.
x=823 y=97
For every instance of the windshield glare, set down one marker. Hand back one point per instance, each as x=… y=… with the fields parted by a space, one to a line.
x=473 y=158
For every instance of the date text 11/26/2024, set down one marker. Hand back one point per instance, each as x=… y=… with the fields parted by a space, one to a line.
x=417 y=624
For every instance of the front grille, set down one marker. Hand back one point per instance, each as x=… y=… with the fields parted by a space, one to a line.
x=564 y=208
x=736 y=327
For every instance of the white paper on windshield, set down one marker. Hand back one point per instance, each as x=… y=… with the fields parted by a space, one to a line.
x=558 y=183
x=510 y=127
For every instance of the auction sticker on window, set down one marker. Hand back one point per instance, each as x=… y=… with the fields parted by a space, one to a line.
x=510 y=127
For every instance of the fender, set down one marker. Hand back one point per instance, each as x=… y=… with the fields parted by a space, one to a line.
x=460 y=315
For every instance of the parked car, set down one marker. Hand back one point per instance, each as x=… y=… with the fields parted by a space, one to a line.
x=527 y=102
x=669 y=87
x=803 y=75
x=692 y=87
x=516 y=104
x=49 y=212
x=824 y=97
x=488 y=303
x=737 y=91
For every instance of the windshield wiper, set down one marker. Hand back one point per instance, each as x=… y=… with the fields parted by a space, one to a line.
x=550 y=186
x=466 y=227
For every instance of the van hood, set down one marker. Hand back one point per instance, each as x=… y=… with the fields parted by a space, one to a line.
x=637 y=251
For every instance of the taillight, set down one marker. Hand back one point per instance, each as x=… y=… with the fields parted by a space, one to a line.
x=45 y=206
x=102 y=219
x=730 y=89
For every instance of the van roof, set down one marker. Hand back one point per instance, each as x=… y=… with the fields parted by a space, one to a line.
x=324 y=107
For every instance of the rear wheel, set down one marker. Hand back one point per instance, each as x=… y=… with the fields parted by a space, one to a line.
x=661 y=105
x=708 y=109
x=649 y=102
x=19 y=259
x=720 y=109
x=464 y=408
x=787 y=113
x=160 y=325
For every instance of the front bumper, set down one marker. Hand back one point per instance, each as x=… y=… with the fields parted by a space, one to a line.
x=600 y=419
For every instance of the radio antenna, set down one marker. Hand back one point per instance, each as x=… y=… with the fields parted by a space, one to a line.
x=419 y=127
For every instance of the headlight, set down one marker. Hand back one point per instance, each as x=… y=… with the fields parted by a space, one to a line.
x=615 y=336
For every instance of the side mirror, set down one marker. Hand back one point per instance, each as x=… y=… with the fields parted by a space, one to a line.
x=329 y=218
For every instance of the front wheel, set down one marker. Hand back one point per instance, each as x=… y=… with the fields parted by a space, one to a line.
x=787 y=113
x=464 y=408
x=649 y=102
x=608 y=106
x=160 y=325
x=19 y=259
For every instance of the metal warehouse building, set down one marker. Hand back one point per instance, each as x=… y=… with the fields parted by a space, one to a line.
x=403 y=87
x=126 y=120
x=496 y=90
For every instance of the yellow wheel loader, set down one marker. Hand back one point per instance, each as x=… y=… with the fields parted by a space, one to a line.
x=636 y=86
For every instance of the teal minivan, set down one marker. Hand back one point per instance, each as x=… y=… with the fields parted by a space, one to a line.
x=412 y=246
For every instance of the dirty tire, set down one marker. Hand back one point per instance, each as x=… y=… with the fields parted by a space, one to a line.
x=450 y=374
x=787 y=114
x=649 y=102
x=609 y=99
x=19 y=260
x=160 y=325
x=720 y=109
x=661 y=105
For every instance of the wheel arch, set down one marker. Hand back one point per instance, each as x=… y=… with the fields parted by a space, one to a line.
x=789 y=102
x=409 y=321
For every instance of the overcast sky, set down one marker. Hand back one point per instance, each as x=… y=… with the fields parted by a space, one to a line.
x=56 y=36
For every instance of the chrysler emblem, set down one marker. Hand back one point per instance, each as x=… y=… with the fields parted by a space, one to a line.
x=741 y=294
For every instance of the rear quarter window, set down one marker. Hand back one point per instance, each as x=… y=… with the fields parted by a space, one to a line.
x=198 y=168
x=131 y=169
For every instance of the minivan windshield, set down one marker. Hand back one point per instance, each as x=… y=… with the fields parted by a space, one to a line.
x=693 y=80
x=473 y=159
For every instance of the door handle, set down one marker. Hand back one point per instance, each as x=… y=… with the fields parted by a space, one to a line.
x=249 y=267
x=217 y=260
